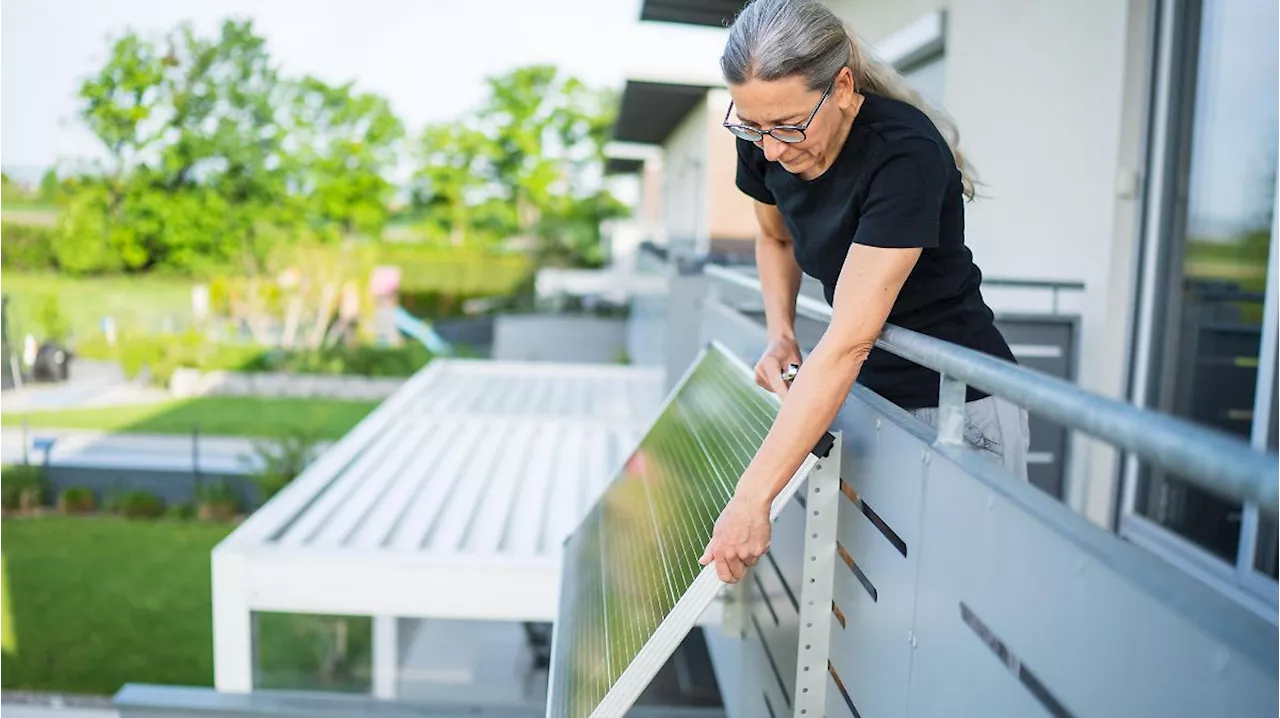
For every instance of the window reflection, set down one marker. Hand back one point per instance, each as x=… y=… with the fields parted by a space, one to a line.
x=1210 y=363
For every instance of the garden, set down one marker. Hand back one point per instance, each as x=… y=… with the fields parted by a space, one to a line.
x=99 y=591
x=245 y=219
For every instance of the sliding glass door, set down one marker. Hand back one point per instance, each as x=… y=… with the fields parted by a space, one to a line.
x=1206 y=345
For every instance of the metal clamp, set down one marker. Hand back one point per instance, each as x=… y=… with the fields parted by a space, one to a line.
x=790 y=374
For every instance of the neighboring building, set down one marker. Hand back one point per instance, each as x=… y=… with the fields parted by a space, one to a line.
x=1127 y=153
x=700 y=212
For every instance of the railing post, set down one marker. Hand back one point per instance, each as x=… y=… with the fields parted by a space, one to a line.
x=951 y=394
x=822 y=508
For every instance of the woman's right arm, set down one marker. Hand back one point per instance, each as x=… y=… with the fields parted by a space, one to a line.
x=779 y=284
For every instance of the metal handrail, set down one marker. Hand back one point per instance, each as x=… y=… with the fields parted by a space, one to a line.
x=1210 y=459
x=1054 y=284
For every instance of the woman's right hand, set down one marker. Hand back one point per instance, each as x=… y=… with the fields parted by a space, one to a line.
x=779 y=354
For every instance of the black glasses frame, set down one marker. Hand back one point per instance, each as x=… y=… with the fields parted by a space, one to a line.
x=755 y=134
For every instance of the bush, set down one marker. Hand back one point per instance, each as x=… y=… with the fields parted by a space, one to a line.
x=139 y=504
x=454 y=270
x=179 y=512
x=77 y=500
x=27 y=247
x=56 y=326
x=22 y=487
x=282 y=460
x=360 y=360
x=161 y=354
x=216 y=501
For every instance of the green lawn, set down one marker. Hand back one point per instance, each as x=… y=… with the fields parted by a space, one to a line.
x=93 y=602
x=229 y=416
x=142 y=304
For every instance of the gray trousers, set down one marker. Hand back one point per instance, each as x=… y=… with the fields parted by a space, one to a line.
x=994 y=427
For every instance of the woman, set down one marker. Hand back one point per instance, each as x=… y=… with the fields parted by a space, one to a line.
x=854 y=184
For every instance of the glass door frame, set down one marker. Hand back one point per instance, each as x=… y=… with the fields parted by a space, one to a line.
x=1169 y=135
x=1264 y=402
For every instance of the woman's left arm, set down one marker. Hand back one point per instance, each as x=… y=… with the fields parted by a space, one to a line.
x=868 y=285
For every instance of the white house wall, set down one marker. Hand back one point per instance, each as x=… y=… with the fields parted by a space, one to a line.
x=684 y=194
x=731 y=213
x=1050 y=128
x=1038 y=117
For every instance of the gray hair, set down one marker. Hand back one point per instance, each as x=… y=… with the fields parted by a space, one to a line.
x=773 y=39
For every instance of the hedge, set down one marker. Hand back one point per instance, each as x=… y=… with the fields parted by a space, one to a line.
x=27 y=247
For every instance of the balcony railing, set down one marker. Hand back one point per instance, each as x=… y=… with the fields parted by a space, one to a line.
x=961 y=591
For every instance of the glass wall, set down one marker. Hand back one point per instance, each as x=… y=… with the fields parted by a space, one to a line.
x=296 y=651
x=1216 y=210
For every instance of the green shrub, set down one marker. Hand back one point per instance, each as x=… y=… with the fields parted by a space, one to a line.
x=139 y=504
x=282 y=460
x=162 y=354
x=360 y=360
x=452 y=270
x=56 y=326
x=179 y=512
x=27 y=247
x=77 y=500
x=216 y=501
x=22 y=487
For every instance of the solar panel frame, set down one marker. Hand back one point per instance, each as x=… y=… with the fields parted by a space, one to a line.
x=688 y=607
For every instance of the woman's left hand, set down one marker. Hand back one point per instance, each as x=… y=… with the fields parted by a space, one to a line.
x=741 y=536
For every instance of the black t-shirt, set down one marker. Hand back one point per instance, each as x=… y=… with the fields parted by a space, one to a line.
x=894 y=184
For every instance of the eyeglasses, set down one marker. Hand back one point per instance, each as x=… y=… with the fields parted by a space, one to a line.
x=789 y=134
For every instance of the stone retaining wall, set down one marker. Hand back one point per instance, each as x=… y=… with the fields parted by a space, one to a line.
x=193 y=382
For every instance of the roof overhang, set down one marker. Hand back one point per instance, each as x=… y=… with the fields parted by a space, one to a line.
x=628 y=157
x=651 y=110
x=714 y=13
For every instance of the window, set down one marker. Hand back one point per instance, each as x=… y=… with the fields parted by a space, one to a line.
x=917 y=51
x=1203 y=353
x=928 y=77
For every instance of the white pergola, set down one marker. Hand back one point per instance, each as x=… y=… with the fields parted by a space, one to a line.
x=449 y=501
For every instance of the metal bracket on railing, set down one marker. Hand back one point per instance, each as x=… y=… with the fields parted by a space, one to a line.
x=951 y=394
x=822 y=506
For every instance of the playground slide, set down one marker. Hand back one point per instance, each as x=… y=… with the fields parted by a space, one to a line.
x=419 y=330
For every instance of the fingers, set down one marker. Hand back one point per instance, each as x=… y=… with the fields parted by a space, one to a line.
x=780 y=385
x=767 y=370
x=730 y=570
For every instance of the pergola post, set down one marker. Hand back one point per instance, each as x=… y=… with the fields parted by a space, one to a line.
x=232 y=624
x=386 y=656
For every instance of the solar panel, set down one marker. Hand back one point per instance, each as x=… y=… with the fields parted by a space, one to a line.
x=632 y=587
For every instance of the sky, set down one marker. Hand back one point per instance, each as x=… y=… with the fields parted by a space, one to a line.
x=428 y=57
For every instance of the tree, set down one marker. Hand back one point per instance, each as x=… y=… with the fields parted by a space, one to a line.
x=215 y=156
x=346 y=143
x=527 y=167
x=450 y=180
x=50 y=185
x=194 y=148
